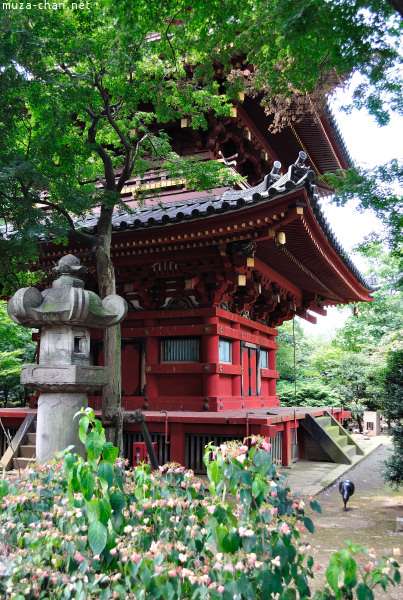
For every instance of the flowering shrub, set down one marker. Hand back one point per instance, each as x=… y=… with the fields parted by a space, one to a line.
x=86 y=530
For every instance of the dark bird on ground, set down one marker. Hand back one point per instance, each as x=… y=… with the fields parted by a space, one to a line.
x=346 y=489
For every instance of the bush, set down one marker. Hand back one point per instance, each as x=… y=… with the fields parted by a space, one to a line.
x=393 y=412
x=86 y=530
x=308 y=394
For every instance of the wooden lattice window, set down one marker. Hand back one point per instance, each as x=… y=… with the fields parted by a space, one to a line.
x=180 y=349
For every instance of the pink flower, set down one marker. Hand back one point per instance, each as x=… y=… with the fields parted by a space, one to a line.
x=266 y=446
x=274 y=510
x=211 y=509
x=317 y=566
x=368 y=567
x=229 y=567
x=113 y=551
x=79 y=557
x=273 y=494
x=220 y=589
x=158 y=569
x=284 y=528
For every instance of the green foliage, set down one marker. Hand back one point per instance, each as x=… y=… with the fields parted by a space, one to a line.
x=377 y=189
x=285 y=355
x=393 y=412
x=17 y=348
x=312 y=393
x=88 y=96
x=70 y=533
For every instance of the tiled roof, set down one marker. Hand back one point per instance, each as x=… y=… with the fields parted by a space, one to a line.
x=273 y=186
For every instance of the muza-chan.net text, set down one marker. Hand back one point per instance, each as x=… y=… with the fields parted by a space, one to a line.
x=47 y=6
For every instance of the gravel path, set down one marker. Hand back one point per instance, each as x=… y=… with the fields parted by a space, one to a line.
x=370 y=519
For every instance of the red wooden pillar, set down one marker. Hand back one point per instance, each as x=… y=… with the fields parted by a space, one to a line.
x=286 y=443
x=152 y=353
x=272 y=366
x=236 y=360
x=210 y=355
x=178 y=443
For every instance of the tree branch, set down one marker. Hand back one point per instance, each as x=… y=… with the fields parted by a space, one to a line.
x=106 y=159
x=80 y=236
x=169 y=41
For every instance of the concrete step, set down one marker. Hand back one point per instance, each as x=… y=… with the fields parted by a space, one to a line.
x=342 y=440
x=31 y=438
x=28 y=451
x=22 y=463
x=323 y=421
x=333 y=431
x=350 y=451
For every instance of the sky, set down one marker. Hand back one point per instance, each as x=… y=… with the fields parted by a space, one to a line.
x=369 y=145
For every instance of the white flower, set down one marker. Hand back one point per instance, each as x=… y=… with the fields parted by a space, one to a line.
x=276 y=561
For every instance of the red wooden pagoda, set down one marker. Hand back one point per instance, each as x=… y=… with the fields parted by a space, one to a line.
x=208 y=278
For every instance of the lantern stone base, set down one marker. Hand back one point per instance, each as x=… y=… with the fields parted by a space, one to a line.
x=56 y=426
x=64 y=378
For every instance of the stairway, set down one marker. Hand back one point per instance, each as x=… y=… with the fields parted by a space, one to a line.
x=21 y=452
x=332 y=438
x=26 y=453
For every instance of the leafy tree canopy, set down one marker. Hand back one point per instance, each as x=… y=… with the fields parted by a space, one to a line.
x=86 y=91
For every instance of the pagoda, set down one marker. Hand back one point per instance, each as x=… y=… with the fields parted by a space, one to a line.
x=209 y=276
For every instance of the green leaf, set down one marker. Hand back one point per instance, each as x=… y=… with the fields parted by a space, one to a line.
x=262 y=461
x=280 y=549
x=69 y=460
x=3 y=488
x=105 y=471
x=316 y=506
x=349 y=565
x=93 y=445
x=93 y=510
x=83 y=428
x=246 y=497
x=257 y=487
x=212 y=490
x=333 y=572
x=308 y=524
x=87 y=483
x=97 y=536
x=213 y=472
x=118 y=502
x=364 y=592
x=105 y=510
x=110 y=452
x=249 y=543
x=231 y=543
x=146 y=577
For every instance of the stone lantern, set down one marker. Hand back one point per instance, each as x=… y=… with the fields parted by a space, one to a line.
x=65 y=315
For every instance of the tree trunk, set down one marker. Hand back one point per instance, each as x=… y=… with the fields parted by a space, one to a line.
x=111 y=398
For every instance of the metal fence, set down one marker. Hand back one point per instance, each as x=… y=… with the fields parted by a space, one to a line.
x=195 y=448
x=131 y=437
x=294 y=445
x=277 y=447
